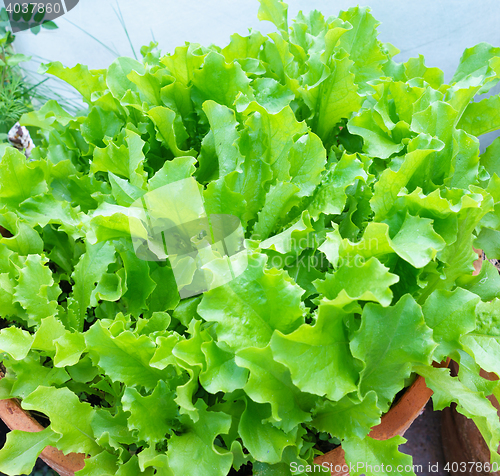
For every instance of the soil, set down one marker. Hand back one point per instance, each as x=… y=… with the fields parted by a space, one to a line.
x=424 y=443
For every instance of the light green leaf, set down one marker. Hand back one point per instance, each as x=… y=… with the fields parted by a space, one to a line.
x=148 y=86
x=19 y=180
x=48 y=332
x=123 y=191
x=30 y=374
x=19 y=454
x=117 y=75
x=488 y=318
x=193 y=452
x=243 y=47
x=68 y=416
x=184 y=62
x=331 y=246
x=173 y=170
x=362 y=45
x=486 y=284
x=151 y=458
x=103 y=464
x=220 y=81
x=280 y=199
x=415 y=68
x=125 y=358
x=278 y=134
x=69 y=349
x=257 y=173
x=347 y=418
x=138 y=281
x=318 y=356
x=489 y=241
x=89 y=270
x=366 y=281
x=170 y=130
x=389 y=341
x=126 y=160
x=307 y=161
x=481 y=117
x=450 y=315
x=295 y=237
x=244 y=310
x=485 y=349
x=100 y=124
x=470 y=403
x=111 y=430
x=270 y=94
x=372 y=457
x=330 y=197
x=223 y=124
x=417 y=242
x=26 y=240
x=221 y=374
x=15 y=342
x=489 y=159
x=391 y=182
x=151 y=416
x=275 y=12
x=220 y=199
x=36 y=290
x=333 y=99
x=375 y=242
x=264 y=441
x=270 y=382
x=84 y=81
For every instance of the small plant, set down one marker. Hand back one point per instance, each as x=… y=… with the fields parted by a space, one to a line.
x=15 y=99
x=16 y=94
x=360 y=191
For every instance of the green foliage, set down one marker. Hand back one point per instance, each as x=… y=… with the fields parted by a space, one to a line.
x=361 y=191
x=16 y=94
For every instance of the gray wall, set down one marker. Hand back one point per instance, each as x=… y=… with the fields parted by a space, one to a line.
x=438 y=29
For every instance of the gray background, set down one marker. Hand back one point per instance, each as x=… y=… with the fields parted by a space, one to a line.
x=438 y=29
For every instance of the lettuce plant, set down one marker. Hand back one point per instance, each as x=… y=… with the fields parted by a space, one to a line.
x=360 y=191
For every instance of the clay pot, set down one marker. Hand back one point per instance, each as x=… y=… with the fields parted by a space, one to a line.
x=395 y=422
x=17 y=419
x=463 y=444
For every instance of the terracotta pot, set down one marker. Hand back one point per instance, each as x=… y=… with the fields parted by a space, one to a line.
x=462 y=441
x=395 y=422
x=17 y=419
